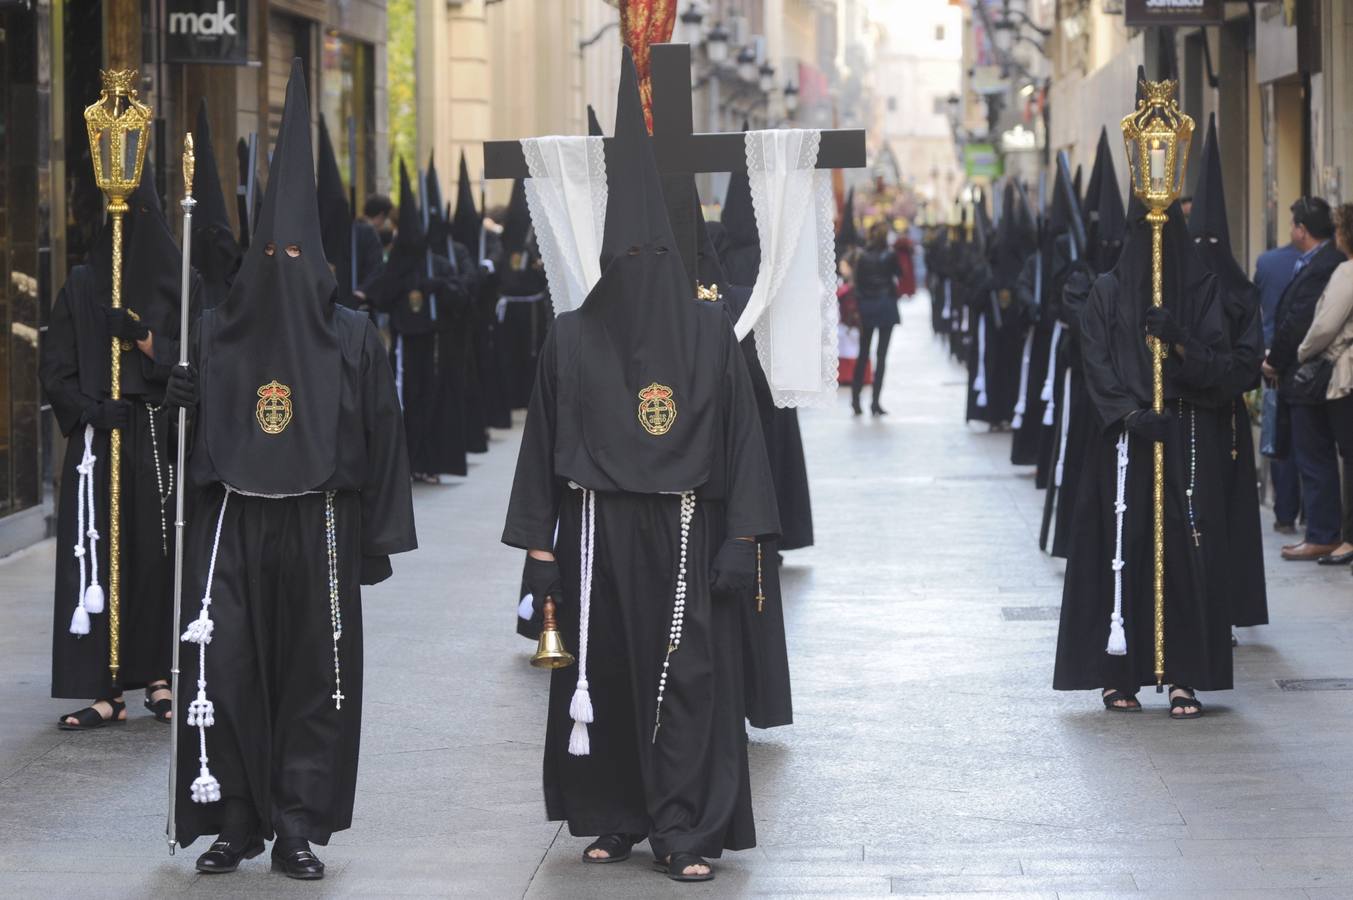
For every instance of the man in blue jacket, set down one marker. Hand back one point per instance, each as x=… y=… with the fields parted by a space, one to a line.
x=1313 y=446
x=1273 y=272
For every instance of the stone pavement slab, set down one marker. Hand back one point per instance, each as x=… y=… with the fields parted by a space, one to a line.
x=929 y=756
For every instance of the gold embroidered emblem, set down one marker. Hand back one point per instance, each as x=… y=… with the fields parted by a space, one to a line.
x=710 y=293
x=1004 y=298
x=415 y=302
x=274 y=407
x=657 y=409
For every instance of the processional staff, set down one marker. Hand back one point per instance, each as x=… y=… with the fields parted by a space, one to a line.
x=1157 y=135
x=185 y=287
x=117 y=124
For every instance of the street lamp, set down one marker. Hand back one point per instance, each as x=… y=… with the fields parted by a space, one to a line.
x=691 y=20
x=747 y=65
x=716 y=44
x=791 y=97
x=767 y=79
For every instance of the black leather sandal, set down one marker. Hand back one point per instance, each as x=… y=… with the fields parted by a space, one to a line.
x=160 y=709
x=676 y=865
x=89 y=718
x=1112 y=697
x=225 y=856
x=1189 y=700
x=617 y=847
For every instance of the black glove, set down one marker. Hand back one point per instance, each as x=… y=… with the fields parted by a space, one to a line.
x=1160 y=322
x=430 y=286
x=542 y=579
x=109 y=414
x=181 y=391
x=123 y=324
x=734 y=568
x=1150 y=425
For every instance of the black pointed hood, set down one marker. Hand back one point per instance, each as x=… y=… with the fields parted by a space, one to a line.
x=1059 y=210
x=466 y=222
x=593 y=123
x=270 y=353
x=1110 y=218
x=438 y=226
x=639 y=407
x=410 y=238
x=518 y=225
x=1207 y=221
x=247 y=228
x=335 y=215
x=1077 y=183
x=1090 y=199
x=739 y=216
x=848 y=236
x=215 y=250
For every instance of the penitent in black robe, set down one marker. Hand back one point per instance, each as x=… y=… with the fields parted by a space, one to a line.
x=688 y=790
x=279 y=741
x=74 y=370
x=765 y=651
x=1118 y=381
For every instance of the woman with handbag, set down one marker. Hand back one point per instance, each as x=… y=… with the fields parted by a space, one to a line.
x=1327 y=354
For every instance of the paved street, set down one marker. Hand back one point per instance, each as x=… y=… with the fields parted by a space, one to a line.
x=930 y=755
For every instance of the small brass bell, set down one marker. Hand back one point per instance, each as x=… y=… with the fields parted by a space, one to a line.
x=550 y=651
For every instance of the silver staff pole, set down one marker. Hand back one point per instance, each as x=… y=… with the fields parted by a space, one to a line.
x=185 y=285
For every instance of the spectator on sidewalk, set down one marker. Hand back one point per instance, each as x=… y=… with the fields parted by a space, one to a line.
x=1313 y=445
x=1273 y=272
x=1330 y=339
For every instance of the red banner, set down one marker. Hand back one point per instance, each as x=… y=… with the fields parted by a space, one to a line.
x=643 y=23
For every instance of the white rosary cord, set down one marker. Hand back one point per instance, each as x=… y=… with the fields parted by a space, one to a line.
x=335 y=609
x=163 y=492
x=678 y=604
x=1066 y=427
x=1117 y=636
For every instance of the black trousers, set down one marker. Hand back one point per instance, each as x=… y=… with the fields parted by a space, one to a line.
x=885 y=333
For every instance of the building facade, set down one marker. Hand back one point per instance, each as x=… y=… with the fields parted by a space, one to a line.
x=51 y=52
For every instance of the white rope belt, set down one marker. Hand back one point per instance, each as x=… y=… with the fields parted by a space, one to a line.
x=201 y=711
x=1022 y=404
x=1117 y=636
x=580 y=707
x=500 y=308
x=979 y=383
x=1046 y=395
x=947 y=312
x=399 y=369
x=90 y=600
x=1066 y=427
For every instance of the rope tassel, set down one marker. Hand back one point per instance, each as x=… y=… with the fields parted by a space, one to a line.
x=90 y=600
x=201 y=711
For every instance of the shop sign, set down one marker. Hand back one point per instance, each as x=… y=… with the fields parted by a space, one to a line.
x=1140 y=13
x=207 y=31
x=981 y=161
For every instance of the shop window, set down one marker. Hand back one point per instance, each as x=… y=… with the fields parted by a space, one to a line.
x=347 y=100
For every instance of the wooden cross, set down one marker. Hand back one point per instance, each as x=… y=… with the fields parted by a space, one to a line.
x=680 y=152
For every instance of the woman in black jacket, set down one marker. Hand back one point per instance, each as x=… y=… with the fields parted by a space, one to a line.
x=876 y=276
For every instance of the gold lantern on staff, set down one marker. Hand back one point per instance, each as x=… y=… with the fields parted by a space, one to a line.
x=118 y=126
x=1157 y=136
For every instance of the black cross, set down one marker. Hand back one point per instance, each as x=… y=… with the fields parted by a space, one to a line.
x=680 y=152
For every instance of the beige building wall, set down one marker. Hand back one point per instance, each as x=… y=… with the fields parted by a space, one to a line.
x=454 y=84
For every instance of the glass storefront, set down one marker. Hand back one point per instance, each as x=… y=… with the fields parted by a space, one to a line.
x=347 y=100
x=23 y=257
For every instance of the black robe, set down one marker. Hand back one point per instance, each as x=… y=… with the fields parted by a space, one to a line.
x=688 y=790
x=431 y=358
x=523 y=315
x=280 y=742
x=75 y=370
x=1244 y=568
x=1074 y=426
x=1197 y=611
